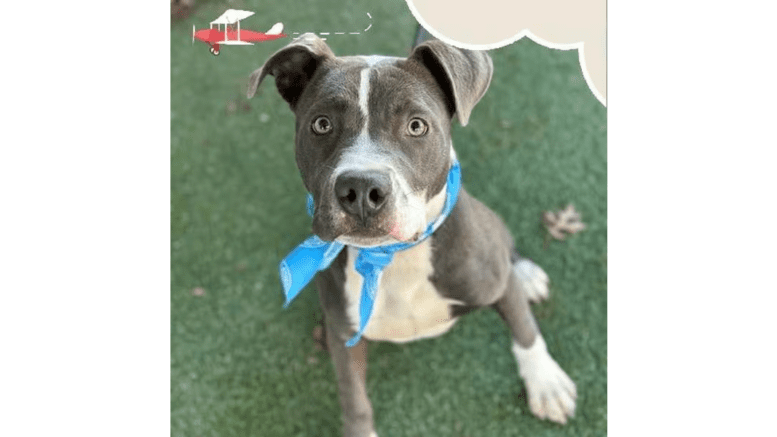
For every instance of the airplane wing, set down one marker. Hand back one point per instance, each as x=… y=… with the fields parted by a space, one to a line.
x=230 y=42
x=231 y=16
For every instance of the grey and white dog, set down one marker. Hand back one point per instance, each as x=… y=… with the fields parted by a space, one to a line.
x=373 y=146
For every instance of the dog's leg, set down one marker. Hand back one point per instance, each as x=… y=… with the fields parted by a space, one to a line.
x=351 y=369
x=550 y=391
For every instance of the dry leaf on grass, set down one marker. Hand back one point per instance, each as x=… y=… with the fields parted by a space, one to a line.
x=563 y=221
x=198 y=291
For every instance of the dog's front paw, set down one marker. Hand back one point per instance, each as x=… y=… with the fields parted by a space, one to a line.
x=533 y=280
x=551 y=392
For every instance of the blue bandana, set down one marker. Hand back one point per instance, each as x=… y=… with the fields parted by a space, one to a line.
x=314 y=254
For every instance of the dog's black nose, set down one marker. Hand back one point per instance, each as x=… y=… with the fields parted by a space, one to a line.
x=362 y=194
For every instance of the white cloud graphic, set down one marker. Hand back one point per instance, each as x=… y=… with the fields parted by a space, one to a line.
x=558 y=24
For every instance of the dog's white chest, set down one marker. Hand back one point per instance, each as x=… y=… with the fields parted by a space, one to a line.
x=407 y=306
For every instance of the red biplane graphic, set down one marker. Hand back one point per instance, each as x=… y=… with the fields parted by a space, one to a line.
x=233 y=35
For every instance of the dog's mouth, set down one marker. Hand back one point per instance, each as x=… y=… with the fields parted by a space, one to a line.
x=368 y=239
x=388 y=228
x=364 y=236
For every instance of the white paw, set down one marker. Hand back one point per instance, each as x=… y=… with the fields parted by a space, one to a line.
x=551 y=392
x=533 y=280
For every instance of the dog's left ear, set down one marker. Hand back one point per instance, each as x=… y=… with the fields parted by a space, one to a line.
x=293 y=66
x=463 y=75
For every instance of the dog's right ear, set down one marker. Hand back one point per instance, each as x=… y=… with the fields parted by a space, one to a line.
x=293 y=67
x=463 y=75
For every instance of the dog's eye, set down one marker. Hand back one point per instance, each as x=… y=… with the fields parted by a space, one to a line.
x=417 y=127
x=321 y=125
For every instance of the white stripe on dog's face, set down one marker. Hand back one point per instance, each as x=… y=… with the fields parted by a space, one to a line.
x=363 y=154
x=364 y=93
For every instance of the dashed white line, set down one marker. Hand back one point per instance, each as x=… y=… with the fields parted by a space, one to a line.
x=342 y=33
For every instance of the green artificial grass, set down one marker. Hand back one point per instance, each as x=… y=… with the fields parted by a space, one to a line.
x=243 y=366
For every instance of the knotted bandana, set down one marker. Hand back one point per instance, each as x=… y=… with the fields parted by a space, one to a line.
x=315 y=254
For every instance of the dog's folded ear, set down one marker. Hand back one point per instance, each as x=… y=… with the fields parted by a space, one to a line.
x=463 y=75
x=292 y=66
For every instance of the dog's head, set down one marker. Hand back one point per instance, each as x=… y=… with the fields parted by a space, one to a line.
x=373 y=133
